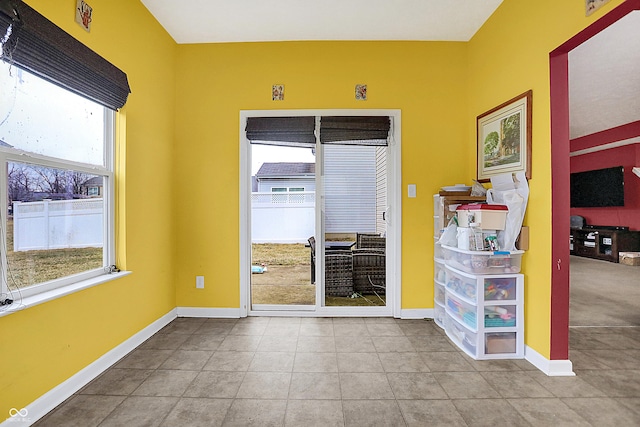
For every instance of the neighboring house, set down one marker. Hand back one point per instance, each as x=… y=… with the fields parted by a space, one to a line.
x=286 y=177
x=93 y=187
x=355 y=187
x=351 y=191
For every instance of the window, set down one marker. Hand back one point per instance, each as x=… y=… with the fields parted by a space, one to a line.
x=285 y=196
x=93 y=191
x=56 y=212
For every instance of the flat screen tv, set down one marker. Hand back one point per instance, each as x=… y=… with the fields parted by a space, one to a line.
x=598 y=188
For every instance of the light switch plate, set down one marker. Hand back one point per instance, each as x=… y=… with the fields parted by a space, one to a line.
x=412 y=190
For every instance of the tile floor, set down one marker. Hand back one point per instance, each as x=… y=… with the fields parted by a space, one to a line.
x=262 y=371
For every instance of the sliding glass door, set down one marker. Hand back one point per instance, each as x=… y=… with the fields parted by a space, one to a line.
x=318 y=210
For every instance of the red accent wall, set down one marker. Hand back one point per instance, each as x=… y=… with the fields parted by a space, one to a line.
x=627 y=156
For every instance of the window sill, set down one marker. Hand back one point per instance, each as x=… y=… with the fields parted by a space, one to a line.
x=47 y=296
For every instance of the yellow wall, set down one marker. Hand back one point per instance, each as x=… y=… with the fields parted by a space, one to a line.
x=427 y=81
x=44 y=345
x=508 y=56
x=178 y=211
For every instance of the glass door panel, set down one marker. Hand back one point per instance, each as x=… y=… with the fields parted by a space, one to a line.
x=282 y=224
x=354 y=227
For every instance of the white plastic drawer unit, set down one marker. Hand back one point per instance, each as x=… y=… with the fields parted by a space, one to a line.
x=483 y=262
x=484 y=314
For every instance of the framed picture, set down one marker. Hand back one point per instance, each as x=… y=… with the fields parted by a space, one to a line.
x=591 y=6
x=504 y=138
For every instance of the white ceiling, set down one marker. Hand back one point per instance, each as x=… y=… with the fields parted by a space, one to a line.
x=214 y=21
x=604 y=79
x=604 y=72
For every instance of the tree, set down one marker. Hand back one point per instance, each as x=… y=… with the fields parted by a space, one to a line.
x=19 y=181
x=490 y=143
x=511 y=134
x=76 y=179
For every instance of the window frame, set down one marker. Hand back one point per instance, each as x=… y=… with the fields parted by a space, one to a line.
x=7 y=155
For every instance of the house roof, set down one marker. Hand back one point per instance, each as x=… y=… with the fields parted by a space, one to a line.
x=286 y=169
x=95 y=181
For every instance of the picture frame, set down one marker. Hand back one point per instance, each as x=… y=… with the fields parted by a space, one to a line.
x=591 y=6
x=504 y=138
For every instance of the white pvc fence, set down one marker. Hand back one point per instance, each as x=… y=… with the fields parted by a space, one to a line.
x=282 y=217
x=58 y=224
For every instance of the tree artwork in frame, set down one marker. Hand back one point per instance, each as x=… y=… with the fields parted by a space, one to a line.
x=504 y=138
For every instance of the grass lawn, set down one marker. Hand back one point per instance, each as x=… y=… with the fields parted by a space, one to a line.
x=288 y=278
x=31 y=267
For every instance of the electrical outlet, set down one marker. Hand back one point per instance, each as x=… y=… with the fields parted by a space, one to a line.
x=200 y=282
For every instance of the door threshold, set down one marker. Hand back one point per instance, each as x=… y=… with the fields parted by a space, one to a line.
x=282 y=307
x=311 y=311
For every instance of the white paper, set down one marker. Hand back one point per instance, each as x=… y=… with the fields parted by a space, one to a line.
x=511 y=190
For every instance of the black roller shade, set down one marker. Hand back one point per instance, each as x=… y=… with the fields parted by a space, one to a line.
x=289 y=131
x=355 y=130
x=32 y=42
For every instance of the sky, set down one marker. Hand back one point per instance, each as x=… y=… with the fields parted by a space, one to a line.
x=39 y=117
x=274 y=154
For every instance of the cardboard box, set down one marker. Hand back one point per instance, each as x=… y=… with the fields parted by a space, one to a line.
x=629 y=258
x=498 y=343
x=522 y=243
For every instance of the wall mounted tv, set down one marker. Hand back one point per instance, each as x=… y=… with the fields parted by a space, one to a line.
x=598 y=188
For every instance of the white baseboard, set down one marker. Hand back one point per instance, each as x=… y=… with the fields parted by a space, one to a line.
x=416 y=313
x=48 y=401
x=229 y=313
x=553 y=368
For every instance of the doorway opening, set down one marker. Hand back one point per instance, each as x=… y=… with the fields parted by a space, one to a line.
x=317 y=235
x=560 y=164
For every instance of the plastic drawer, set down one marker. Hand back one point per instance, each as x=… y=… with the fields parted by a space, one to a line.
x=462 y=285
x=437 y=249
x=438 y=293
x=438 y=226
x=439 y=315
x=500 y=288
x=483 y=262
x=465 y=313
x=464 y=337
x=439 y=274
x=500 y=343
x=500 y=316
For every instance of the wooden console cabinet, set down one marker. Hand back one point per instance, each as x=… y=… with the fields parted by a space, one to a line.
x=603 y=243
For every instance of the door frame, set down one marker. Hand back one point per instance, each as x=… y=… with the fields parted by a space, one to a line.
x=394 y=200
x=560 y=168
